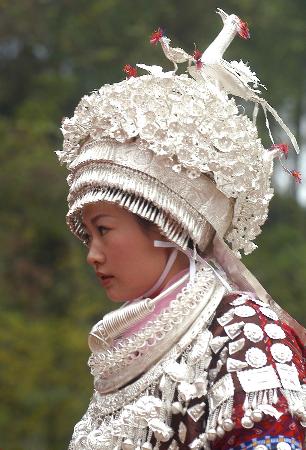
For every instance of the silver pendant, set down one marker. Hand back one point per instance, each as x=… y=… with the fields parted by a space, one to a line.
x=146 y=446
x=233 y=365
x=235 y=346
x=247 y=422
x=196 y=411
x=233 y=330
x=177 y=408
x=182 y=432
x=226 y=318
x=128 y=444
x=187 y=391
x=173 y=445
x=178 y=371
x=261 y=379
x=223 y=354
x=218 y=342
x=289 y=376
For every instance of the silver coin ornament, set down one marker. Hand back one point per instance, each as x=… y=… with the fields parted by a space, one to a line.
x=281 y=353
x=255 y=357
x=274 y=331
x=239 y=301
x=245 y=311
x=268 y=313
x=259 y=302
x=253 y=332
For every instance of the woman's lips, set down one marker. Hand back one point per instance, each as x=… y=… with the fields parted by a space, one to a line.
x=105 y=280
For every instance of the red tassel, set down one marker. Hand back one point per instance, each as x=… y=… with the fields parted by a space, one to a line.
x=130 y=70
x=197 y=55
x=156 y=36
x=284 y=148
x=244 y=31
x=297 y=175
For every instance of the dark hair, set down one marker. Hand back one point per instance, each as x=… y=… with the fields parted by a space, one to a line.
x=144 y=223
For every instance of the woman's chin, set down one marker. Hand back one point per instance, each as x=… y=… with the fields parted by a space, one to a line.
x=114 y=295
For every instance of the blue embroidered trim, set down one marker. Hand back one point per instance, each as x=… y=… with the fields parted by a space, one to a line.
x=270 y=443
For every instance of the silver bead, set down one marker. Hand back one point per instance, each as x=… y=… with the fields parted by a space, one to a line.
x=176 y=408
x=211 y=434
x=146 y=446
x=247 y=422
x=161 y=436
x=228 y=424
x=128 y=444
x=220 y=432
x=201 y=384
x=162 y=383
x=299 y=412
x=256 y=415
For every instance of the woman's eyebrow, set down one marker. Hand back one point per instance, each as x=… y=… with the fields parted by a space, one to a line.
x=98 y=216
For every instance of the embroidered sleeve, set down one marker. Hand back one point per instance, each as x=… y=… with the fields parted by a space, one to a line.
x=256 y=398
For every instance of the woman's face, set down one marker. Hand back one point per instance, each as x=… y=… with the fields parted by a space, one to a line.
x=122 y=251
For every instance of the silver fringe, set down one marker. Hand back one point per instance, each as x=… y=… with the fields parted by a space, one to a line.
x=142 y=195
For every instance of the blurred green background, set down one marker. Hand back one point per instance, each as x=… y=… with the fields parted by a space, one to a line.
x=51 y=53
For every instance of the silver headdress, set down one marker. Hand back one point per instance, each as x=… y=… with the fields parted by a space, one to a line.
x=174 y=149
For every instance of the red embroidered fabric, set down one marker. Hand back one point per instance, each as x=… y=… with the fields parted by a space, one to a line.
x=286 y=425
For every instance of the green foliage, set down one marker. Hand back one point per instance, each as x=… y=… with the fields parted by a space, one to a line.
x=280 y=263
x=51 y=53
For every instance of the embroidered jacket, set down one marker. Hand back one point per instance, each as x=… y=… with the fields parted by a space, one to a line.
x=231 y=379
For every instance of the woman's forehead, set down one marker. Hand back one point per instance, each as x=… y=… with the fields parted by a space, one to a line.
x=92 y=210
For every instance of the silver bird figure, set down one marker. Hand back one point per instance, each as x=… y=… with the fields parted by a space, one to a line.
x=235 y=78
x=176 y=55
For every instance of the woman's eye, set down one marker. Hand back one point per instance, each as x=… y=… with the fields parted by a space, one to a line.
x=103 y=230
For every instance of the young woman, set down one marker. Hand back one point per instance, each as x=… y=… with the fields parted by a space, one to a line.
x=164 y=173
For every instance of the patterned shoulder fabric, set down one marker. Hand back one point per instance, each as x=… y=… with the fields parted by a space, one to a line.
x=268 y=442
x=255 y=394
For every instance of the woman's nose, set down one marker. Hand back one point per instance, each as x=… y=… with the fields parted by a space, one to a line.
x=95 y=256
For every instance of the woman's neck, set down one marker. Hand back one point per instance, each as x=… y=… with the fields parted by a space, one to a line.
x=181 y=263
